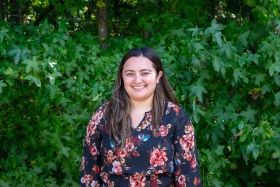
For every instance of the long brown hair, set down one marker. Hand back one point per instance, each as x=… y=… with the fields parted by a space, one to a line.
x=119 y=107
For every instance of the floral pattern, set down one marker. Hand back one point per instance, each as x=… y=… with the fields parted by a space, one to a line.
x=167 y=157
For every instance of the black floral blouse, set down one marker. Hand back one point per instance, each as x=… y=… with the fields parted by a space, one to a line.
x=168 y=158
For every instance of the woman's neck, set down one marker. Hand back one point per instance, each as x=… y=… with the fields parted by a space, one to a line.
x=142 y=105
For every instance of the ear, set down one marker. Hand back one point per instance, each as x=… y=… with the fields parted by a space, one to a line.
x=159 y=76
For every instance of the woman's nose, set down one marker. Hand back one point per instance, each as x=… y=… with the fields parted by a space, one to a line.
x=138 y=78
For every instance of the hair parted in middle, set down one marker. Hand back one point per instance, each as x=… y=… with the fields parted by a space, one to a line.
x=119 y=107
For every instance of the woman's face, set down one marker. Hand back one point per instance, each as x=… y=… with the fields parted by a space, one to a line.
x=140 y=78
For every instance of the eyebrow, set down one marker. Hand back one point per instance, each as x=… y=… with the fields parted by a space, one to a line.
x=140 y=70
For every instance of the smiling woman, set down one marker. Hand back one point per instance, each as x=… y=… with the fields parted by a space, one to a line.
x=141 y=137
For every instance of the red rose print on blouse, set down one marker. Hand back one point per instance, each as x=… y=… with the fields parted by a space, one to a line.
x=110 y=156
x=121 y=153
x=196 y=181
x=129 y=145
x=163 y=131
x=96 y=169
x=158 y=157
x=93 y=123
x=117 y=168
x=137 y=180
x=188 y=156
x=91 y=128
x=182 y=180
x=86 y=179
x=193 y=163
x=95 y=183
x=135 y=140
x=93 y=150
x=189 y=129
x=83 y=163
x=187 y=141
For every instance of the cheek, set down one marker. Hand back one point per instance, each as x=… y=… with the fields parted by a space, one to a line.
x=126 y=81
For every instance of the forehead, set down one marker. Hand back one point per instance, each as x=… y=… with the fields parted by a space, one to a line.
x=138 y=63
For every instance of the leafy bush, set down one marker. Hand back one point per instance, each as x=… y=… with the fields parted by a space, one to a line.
x=227 y=78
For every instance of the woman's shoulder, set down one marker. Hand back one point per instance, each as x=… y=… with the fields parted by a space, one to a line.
x=101 y=107
x=177 y=109
x=171 y=104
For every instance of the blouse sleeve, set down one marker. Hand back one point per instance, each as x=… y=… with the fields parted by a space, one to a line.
x=186 y=167
x=91 y=160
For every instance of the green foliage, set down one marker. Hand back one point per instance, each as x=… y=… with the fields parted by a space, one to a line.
x=225 y=71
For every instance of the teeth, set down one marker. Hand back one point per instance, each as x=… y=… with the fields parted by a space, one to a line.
x=138 y=87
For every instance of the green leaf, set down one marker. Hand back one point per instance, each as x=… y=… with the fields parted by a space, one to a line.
x=236 y=74
x=217 y=183
x=79 y=48
x=217 y=63
x=265 y=88
x=65 y=151
x=243 y=38
x=268 y=48
x=276 y=154
x=52 y=80
x=255 y=152
x=52 y=166
x=179 y=33
x=254 y=57
x=249 y=148
x=4 y=34
x=277 y=79
x=240 y=73
x=241 y=125
x=15 y=53
x=63 y=101
x=31 y=65
x=260 y=77
x=197 y=112
x=36 y=170
x=197 y=90
x=197 y=45
x=277 y=99
x=249 y=114
x=4 y=184
x=2 y=85
x=227 y=49
x=68 y=118
x=220 y=150
x=259 y=169
x=272 y=68
x=52 y=89
x=217 y=37
x=245 y=133
x=216 y=26
x=34 y=80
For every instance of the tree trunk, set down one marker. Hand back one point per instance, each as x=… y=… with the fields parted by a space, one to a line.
x=147 y=33
x=3 y=10
x=16 y=12
x=103 y=31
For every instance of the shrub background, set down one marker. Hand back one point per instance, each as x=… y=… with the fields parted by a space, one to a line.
x=226 y=76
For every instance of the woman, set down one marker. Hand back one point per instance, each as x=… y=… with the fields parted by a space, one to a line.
x=140 y=137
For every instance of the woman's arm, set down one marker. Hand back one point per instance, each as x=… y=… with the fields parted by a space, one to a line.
x=91 y=160
x=186 y=158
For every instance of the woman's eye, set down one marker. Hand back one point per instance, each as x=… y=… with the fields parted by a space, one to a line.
x=129 y=74
x=145 y=73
